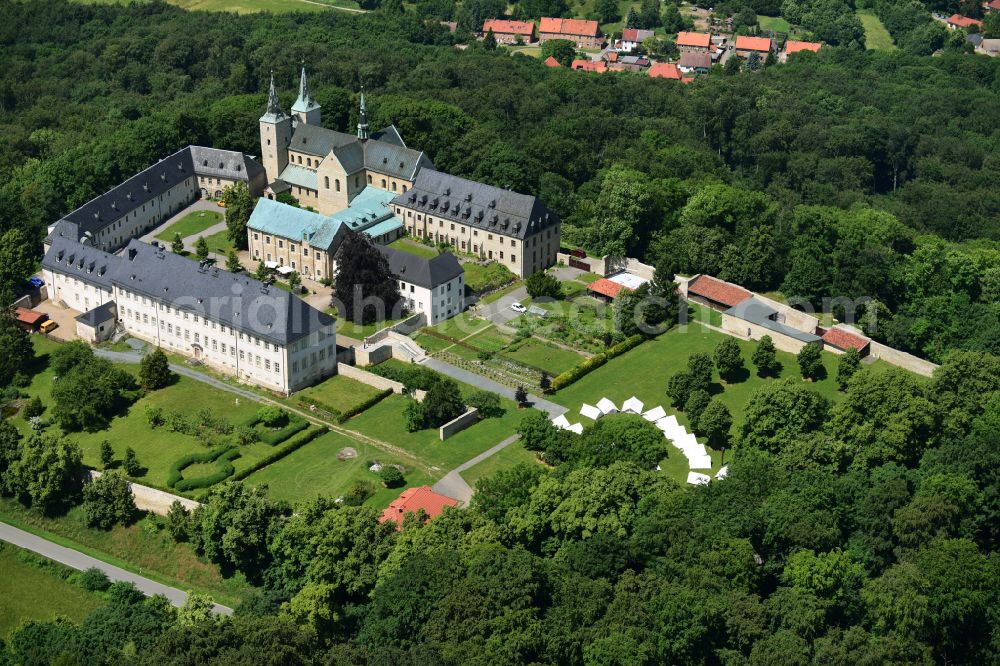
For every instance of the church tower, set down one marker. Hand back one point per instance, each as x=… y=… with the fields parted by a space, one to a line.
x=306 y=109
x=363 y=120
x=275 y=135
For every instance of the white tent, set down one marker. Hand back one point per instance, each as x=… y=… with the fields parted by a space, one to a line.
x=700 y=462
x=696 y=479
x=591 y=412
x=655 y=414
x=285 y=270
x=560 y=421
x=723 y=472
x=271 y=264
x=606 y=406
x=633 y=405
x=669 y=423
x=576 y=427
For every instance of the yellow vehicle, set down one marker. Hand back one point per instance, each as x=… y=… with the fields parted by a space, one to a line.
x=49 y=326
x=221 y=203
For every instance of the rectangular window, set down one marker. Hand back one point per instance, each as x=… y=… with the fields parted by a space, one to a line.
x=242 y=355
x=277 y=367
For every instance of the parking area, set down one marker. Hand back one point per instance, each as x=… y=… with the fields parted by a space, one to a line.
x=65 y=317
x=499 y=311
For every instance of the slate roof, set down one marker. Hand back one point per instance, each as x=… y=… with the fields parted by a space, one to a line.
x=718 y=291
x=83 y=262
x=758 y=312
x=98 y=315
x=423 y=272
x=492 y=209
x=233 y=299
x=383 y=152
x=316 y=140
x=394 y=160
x=153 y=181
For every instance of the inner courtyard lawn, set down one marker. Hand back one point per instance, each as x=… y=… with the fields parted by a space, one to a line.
x=314 y=470
x=34 y=591
x=193 y=223
x=414 y=247
x=219 y=242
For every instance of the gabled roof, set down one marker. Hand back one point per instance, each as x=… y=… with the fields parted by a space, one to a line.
x=843 y=339
x=606 y=287
x=665 y=70
x=587 y=65
x=388 y=135
x=98 y=315
x=423 y=272
x=792 y=46
x=699 y=60
x=636 y=34
x=486 y=207
x=316 y=140
x=694 y=39
x=412 y=500
x=963 y=21
x=561 y=26
x=552 y=62
x=758 y=312
x=993 y=4
x=747 y=43
x=525 y=28
x=718 y=291
x=394 y=160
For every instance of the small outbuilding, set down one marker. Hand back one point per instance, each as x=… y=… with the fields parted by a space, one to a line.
x=98 y=324
x=29 y=320
x=413 y=500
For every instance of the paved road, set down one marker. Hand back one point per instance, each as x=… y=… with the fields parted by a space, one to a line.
x=499 y=311
x=81 y=562
x=474 y=379
x=453 y=485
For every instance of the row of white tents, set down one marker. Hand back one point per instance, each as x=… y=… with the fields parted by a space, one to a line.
x=686 y=442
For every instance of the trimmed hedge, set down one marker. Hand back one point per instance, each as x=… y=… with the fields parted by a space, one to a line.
x=293 y=445
x=367 y=404
x=226 y=470
x=175 y=476
x=295 y=425
x=594 y=362
x=332 y=412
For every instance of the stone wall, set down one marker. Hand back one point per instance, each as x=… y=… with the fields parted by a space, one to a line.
x=901 y=359
x=370 y=378
x=459 y=424
x=365 y=356
x=740 y=328
x=151 y=499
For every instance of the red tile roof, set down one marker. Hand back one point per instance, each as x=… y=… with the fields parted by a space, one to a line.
x=590 y=65
x=687 y=79
x=994 y=5
x=632 y=34
x=525 y=28
x=30 y=317
x=606 y=287
x=792 y=46
x=665 y=70
x=718 y=291
x=412 y=500
x=699 y=39
x=552 y=62
x=746 y=43
x=841 y=339
x=560 y=26
x=963 y=21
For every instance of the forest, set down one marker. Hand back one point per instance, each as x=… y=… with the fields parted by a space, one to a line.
x=863 y=533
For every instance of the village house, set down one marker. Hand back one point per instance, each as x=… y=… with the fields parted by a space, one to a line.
x=619 y=62
x=510 y=32
x=792 y=46
x=415 y=501
x=632 y=39
x=516 y=230
x=587 y=65
x=745 y=45
x=693 y=62
x=665 y=70
x=991 y=6
x=956 y=21
x=324 y=169
x=585 y=34
x=990 y=47
x=694 y=41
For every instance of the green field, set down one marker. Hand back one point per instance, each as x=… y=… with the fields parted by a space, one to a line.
x=191 y=224
x=505 y=459
x=247 y=6
x=876 y=36
x=550 y=358
x=414 y=247
x=775 y=23
x=33 y=588
x=315 y=470
x=143 y=548
x=339 y=392
x=361 y=331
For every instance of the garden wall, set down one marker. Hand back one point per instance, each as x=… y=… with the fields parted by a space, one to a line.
x=372 y=355
x=459 y=424
x=369 y=378
x=151 y=499
x=901 y=359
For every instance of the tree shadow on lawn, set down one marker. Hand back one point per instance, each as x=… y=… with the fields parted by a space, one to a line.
x=738 y=376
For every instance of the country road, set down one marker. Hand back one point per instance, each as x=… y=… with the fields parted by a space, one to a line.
x=81 y=562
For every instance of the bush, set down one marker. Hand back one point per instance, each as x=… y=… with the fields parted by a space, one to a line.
x=178 y=521
x=226 y=470
x=175 y=476
x=272 y=416
x=391 y=477
x=358 y=492
x=154 y=416
x=275 y=437
x=34 y=408
x=245 y=435
x=108 y=500
x=597 y=360
x=487 y=402
x=94 y=580
x=542 y=284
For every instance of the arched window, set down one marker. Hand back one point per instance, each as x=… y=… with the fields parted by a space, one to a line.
x=393 y=186
x=309 y=161
x=383 y=183
x=326 y=181
x=404 y=189
x=336 y=184
x=369 y=179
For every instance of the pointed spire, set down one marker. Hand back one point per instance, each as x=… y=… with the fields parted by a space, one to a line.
x=362 y=118
x=273 y=106
x=303 y=87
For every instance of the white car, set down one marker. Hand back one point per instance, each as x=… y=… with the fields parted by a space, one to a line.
x=517 y=307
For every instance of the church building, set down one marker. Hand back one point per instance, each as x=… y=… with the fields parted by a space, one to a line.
x=325 y=169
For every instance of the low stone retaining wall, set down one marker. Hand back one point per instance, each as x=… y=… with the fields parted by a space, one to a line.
x=370 y=378
x=459 y=424
x=151 y=499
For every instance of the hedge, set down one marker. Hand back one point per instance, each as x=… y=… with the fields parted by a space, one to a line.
x=175 y=475
x=367 y=404
x=226 y=470
x=295 y=425
x=293 y=445
x=594 y=362
x=308 y=403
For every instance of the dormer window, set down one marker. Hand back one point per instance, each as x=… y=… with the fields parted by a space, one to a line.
x=204 y=163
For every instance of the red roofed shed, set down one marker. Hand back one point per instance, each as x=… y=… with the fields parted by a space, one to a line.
x=551 y=62
x=665 y=70
x=585 y=65
x=716 y=293
x=412 y=500
x=607 y=288
x=842 y=340
x=792 y=46
x=29 y=320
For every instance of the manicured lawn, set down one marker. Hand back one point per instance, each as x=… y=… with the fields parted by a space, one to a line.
x=143 y=548
x=876 y=36
x=384 y=421
x=414 y=247
x=339 y=392
x=505 y=459
x=191 y=224
x=314 y=470
x=481 y=277
x=38 y=590
x=550 y=358
x=219 y=243
x=775 y=23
